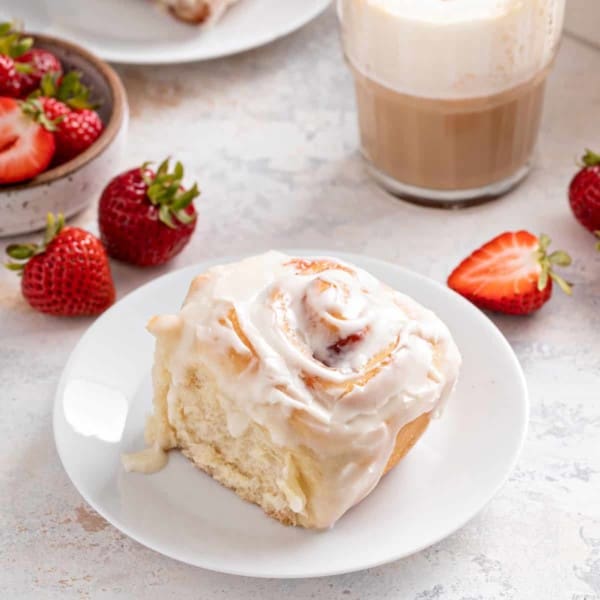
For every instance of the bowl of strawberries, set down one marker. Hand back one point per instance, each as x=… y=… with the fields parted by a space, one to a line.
x=63 y=122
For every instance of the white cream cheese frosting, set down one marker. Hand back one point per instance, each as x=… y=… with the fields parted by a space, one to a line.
x=320 y=354
x=451 y=48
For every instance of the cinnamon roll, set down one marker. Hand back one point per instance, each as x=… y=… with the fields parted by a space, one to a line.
x=298 y=383
x=197 y=12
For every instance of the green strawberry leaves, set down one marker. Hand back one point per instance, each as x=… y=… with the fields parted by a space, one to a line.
x=67 y=88
x=23 y=68
x=33 y=108
x=11 y=42
x=590 y=159
x=165 y=190
x=23 y=252
x=558 y=258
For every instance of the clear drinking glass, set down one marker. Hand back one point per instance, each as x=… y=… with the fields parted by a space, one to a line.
x=450 y=92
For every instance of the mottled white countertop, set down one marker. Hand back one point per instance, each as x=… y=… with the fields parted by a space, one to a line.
x=271 y=136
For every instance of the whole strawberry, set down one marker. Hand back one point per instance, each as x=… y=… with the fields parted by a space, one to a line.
x=512 y=274
x=68 y=275
x=146 y=218
x=66 y=101
x=10 y=79
x=53 y=109
x=12 y=48
x=584 y=192
x=75 y=132
x=39 y=62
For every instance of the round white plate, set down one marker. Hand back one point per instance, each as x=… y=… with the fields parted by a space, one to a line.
x=105 y=394
x=137 y=32
x=144 y=34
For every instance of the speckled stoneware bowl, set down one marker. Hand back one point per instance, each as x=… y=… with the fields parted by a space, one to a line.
x=73 y=185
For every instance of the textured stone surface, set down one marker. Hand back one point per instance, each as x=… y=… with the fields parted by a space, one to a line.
x=271 y=136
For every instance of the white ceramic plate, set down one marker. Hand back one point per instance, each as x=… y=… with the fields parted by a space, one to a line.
x=143 y=34
x=105 y=394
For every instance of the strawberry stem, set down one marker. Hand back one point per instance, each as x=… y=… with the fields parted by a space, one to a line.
x=23 y=252
x=67 y=88
x=558 y=258
x=590 y=158
x=54 y=225
x=23 y=68
x=165 y=191
x=565 y=286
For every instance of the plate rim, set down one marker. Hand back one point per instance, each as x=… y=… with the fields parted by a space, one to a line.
x=323 y=572
x=139 y=58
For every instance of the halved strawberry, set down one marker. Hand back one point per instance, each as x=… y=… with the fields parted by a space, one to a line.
x=26 y=143
x=511 y=274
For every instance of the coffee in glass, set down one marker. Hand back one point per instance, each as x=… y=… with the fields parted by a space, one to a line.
x=450 y=92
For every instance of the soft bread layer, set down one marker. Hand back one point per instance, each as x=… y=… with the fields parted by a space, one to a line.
x=194 y=421
x=282 y=481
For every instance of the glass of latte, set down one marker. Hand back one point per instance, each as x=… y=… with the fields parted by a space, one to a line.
x=450 y=92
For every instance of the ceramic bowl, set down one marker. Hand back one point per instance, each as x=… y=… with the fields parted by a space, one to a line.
x=70 y=187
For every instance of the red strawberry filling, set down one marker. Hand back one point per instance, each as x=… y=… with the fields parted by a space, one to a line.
x=8 y=143
x=26 y=146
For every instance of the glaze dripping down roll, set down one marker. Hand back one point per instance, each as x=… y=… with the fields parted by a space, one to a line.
x=297 y=382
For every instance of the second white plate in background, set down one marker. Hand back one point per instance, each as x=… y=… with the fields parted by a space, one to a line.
x=137 y=32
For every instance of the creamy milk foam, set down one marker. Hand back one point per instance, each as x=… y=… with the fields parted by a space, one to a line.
x=450 y=92
x=451 y=48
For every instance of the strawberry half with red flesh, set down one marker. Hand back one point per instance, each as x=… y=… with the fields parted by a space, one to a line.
x=584 y=192
x=26 y=140
x=146 y=218
x=67 y=275
x=512 y=274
